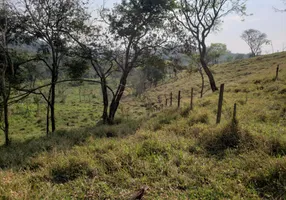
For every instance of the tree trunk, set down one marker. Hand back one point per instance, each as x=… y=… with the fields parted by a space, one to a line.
x=5 y=97
x=105 y=100
x=48 y=120
x=52 y=105
x=203 y=82
x=117 y=97
x=6 y=120
x=209 y=74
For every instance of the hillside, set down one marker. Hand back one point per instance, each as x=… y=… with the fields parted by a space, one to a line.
x=177 y=153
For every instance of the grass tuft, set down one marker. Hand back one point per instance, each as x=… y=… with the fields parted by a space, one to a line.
x=272 y=183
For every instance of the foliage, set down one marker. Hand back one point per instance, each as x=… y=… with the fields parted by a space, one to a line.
x=255 y=39
x=136 y=31
x=76 y=67
x=214 y=51
x=154 y=69
x=52 y=25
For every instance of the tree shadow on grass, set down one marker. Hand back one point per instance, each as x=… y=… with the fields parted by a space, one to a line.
x=17 y=155
x=229 y=137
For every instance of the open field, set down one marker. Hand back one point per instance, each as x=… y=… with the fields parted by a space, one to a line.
x=177 y=153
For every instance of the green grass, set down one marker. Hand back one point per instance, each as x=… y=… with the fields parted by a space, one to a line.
x=179 y=154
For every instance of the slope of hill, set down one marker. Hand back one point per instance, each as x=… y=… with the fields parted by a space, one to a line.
x=177 y=153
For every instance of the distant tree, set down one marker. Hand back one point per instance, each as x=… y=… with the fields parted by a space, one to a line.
x=215 y=51
x=76 y=67
x=255 y=39
x=174 y=64
x=200 y=18
x=138 y=81
x=154 y=69
x=239 y=56
x=229 y=58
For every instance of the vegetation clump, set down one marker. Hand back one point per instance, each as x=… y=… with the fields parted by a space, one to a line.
x=272 y=183
x=230 y=136
x=69 y=171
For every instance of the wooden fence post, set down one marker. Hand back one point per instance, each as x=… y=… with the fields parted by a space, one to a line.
x=234 y=114
x=192 y=96
x=220 y=103
x=277 y=73
x=166 y=104
x=171 y=99
x=179 y=99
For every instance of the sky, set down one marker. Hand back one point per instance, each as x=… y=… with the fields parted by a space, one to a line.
x=263 y=18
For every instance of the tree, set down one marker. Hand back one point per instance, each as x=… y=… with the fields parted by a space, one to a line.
x=239 y=56
x=200 y=18
x=10 y=62
x=196 y=61
x=136 y=31
x=215 y=51
x=5 y=67
x=154 y=69
x=49 y=23
x=255 y=39
x=76 y=67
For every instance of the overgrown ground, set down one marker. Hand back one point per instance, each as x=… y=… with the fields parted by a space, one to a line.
x=177 y=153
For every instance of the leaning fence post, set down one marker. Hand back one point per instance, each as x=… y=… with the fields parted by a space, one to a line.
x=179 y=99
x=277 y=73
x=220 y=103
x=192 y=96
x=171 y=99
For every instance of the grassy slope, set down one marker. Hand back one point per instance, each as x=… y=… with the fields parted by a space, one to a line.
x=179 y=155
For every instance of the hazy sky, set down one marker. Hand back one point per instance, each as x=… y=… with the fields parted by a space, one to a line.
x=264 y=19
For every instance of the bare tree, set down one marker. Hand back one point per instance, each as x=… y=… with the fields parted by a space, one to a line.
x=200 y=18
x=255 y=39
